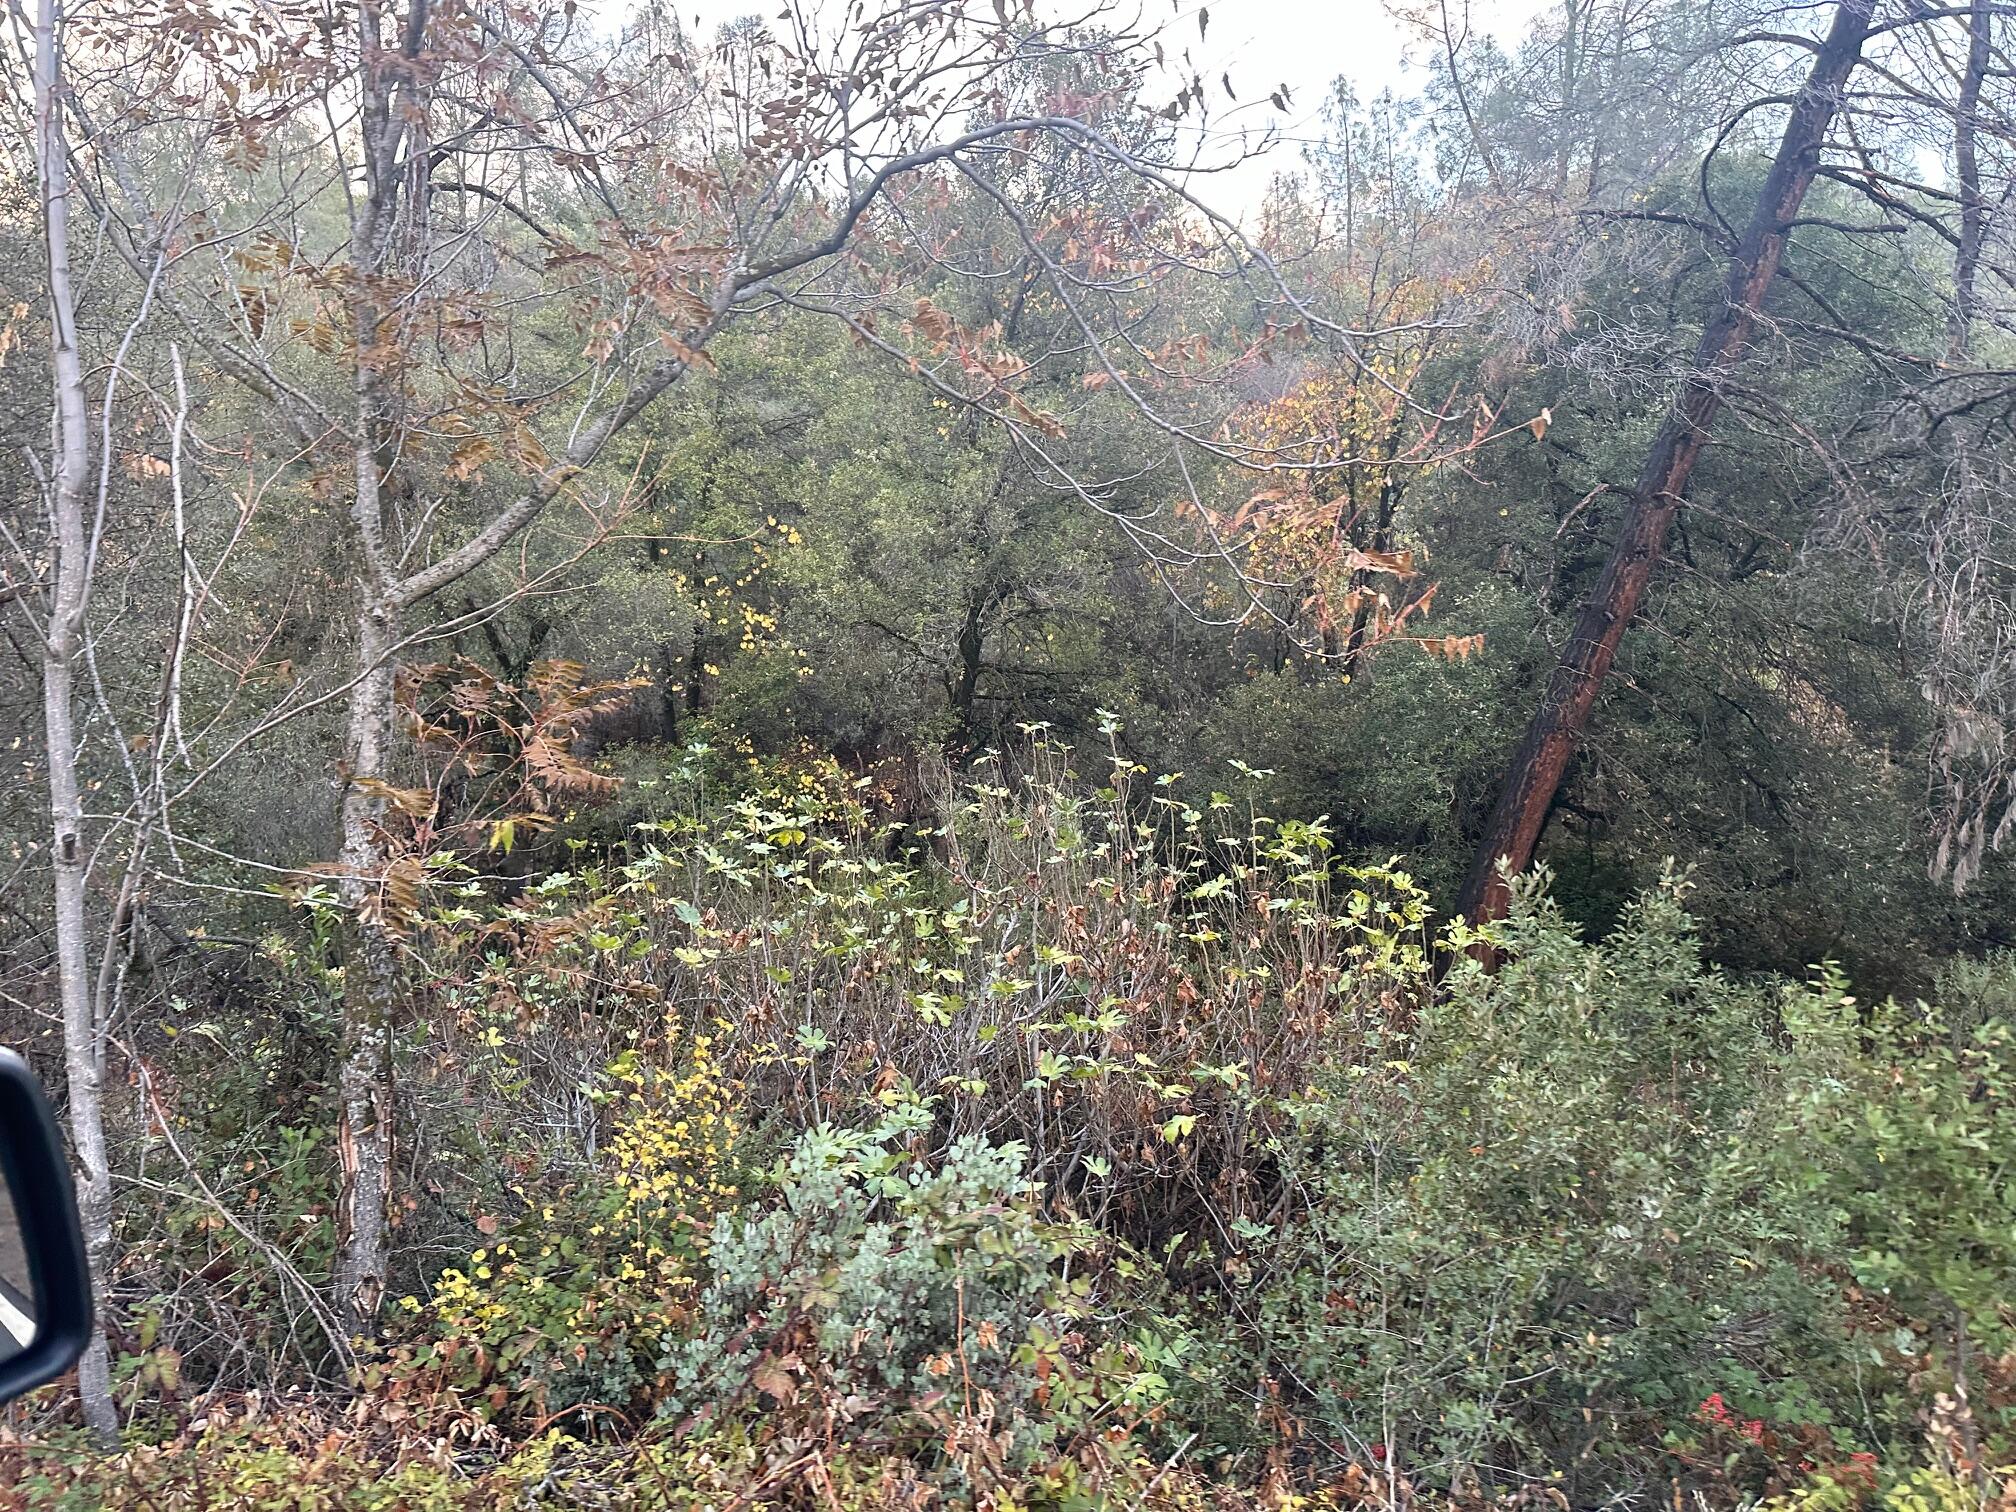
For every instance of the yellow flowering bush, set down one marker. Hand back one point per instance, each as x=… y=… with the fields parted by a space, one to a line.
x=572 y=1304
x=675 y=1135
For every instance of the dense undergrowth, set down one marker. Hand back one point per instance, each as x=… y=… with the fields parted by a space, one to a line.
x=1090 y=1149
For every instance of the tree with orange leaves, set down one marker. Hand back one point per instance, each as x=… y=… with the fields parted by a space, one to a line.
x=1341 y=444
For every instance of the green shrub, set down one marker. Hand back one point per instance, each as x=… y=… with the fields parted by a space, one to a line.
x=1537 y=1239
x=1602 y=1221
x=883 y=1278
x=1902 y=1122
x=572 y=1303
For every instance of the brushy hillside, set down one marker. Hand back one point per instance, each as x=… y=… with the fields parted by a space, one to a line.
x=1088 y=1149
x=1016 y=755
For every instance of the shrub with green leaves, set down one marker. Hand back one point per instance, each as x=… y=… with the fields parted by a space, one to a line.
x=570 y=1304
x=876 y=1274
x=1112 y=1126
x=1902 y=1122
x=1538 y=1238
x=920 y=1306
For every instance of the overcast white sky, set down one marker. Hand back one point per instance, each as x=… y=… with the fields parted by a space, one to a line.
x=1307 y=45
x=1262 y=44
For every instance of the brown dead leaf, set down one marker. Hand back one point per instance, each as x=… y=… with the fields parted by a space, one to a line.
x=774 y=1383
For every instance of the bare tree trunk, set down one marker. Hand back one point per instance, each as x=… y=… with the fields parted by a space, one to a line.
x=1967 y=173
x=1359 y=639
x=83 y=1036
x=392 y=113
x=370 y=977
x=1572 y=21
x=966 y=689
x=83 y=1041
x=1534 y=777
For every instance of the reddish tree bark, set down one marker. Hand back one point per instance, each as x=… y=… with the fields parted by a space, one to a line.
x=1534 y=777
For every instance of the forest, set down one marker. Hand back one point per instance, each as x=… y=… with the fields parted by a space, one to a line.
x=883 y=758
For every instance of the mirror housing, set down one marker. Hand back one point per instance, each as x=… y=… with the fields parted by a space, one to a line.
x=45 y=1210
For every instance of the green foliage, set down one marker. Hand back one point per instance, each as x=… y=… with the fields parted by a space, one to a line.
x=570 y=1305
x=1577 y=1208
x=919 y=972
x=1922 y=1488
x=306 y=1463
x=880 y=1273
x=1915 y=1109
x=1606 y=1185
x=1015 y=1152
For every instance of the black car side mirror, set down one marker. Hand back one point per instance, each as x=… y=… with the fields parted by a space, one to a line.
x=45 y=1280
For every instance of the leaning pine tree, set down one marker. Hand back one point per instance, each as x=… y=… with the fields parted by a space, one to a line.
x=1534 y=777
